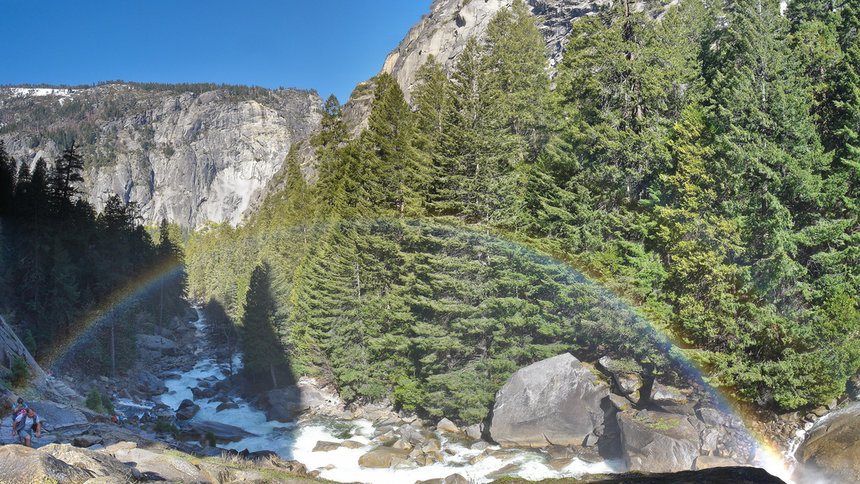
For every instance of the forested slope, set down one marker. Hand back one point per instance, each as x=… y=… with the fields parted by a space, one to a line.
x=702 y=166
x=70 y=275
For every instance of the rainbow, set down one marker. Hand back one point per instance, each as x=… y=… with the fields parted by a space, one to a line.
x=82 y=329
x=768 y=454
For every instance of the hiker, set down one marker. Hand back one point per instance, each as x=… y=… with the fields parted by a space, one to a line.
x=24 y=425
x=19 y=407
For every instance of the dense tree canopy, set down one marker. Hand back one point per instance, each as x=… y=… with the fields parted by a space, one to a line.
x=702 y=165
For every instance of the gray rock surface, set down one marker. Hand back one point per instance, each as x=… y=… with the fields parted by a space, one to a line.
x=58 y=417
x=160 y=344
x=552 y=402
x=185 y=153
x=657 y=441
x=158 y=466
x=223 y=432
x=832 y=447
x=444 y=31
x=97 y=463
x=149 y=384
x=19 y=464
x=187 y=410
x=383 y=457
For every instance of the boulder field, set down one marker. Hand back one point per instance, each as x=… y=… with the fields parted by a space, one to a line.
x=561 y=401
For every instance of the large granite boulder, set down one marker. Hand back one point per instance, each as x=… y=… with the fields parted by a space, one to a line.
x=222 y=432
x=97 y=463
x=384 y=457
x=625 y=376
x=157 y=466
x=657 y=441
x=552 y=402
x=149 y=384
x=20 y=464
x=187 y=410
x=832 y=448
x=160 y=344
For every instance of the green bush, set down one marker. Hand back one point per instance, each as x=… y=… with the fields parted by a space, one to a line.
x=96 y=402
x=19 y=371
x=165 y=427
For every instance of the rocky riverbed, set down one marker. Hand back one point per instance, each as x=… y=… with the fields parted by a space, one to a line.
x=557 y=418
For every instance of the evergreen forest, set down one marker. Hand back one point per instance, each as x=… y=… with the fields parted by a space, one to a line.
x=704 y=167
x=64 y=268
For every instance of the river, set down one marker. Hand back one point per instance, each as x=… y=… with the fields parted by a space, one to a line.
x=296 y=441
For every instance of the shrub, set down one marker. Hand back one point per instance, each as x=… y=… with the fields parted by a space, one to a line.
x=165 y=427
x=19 y=371
x=95 y=401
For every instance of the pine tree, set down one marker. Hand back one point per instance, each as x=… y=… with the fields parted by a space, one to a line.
x=65 y=176
x=264 y=357
x=394 y=171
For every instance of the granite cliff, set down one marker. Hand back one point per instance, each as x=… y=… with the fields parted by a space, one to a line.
x=187 y=153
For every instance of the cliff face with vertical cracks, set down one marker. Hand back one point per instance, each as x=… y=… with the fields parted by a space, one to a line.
x=187 y=153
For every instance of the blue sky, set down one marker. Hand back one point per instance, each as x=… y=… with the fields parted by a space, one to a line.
x=327 y=45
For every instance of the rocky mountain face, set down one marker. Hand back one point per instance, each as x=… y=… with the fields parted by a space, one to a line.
x=187 y=153
x=444 y=32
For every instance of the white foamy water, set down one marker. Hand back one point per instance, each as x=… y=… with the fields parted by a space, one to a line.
x=297 y=440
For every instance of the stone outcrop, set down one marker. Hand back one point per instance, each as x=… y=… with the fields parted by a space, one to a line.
x=149 y=384
x=832 y=447
x=20 y=464
x=58 y=417
x=657 y=441
x=11 y=348
x=552 y=402
x=97 y=463
x=185 y=153
x=222 y=432
x=444 y=31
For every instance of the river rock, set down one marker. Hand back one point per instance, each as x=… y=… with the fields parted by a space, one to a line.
x=666 y=395
x=474 y=431
x=832 y=447
x=383 y=457
x=20 y=464
x=412 y=435
x=554 y=401
x=452 y=479
x=625 y=376
x=225 y=406
x=149 y=384
x=657 y=441
x=325 y=446
x=86 y=440
x=160 y=344
x=351 y=444
x=187 y=410
x=222 y=431
x=203 y=393
x=446 y=425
